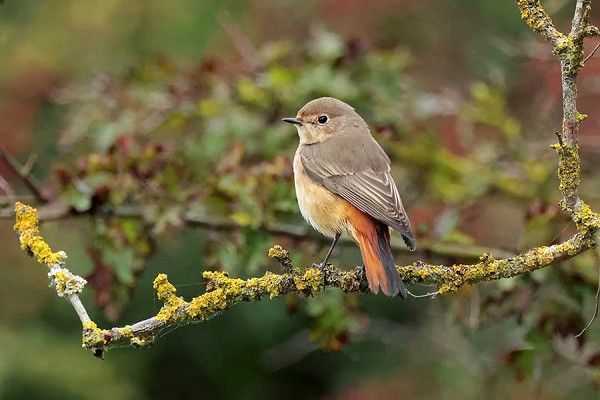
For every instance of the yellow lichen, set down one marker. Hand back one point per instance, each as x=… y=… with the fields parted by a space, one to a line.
x=90 y=325
x=92 y=336
x=422 y=273
x=29 y=235
x=416 y=269
x=272 y=289
x=579 y=117
x=167 y=292
x=540 y=256
x=537 y=19
x=137 y=341
x=65 y=282
x=164 y=289
x=223 y=291
x=204 y=306
x=220 y=279
x=278 y=252
x=566 y=247
x=270 y=284
x=168 y=312
x=253 y=284
x=449 y=287
x=349 y=282
x=585 y=218
x=311 y=280
x=61 y=280
x=563 y=46
x=126 y=331
x=568 y=169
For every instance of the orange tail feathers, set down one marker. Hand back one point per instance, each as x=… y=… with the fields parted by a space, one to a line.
x=373 y=238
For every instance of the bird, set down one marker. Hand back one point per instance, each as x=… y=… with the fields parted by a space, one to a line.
x=344 y=186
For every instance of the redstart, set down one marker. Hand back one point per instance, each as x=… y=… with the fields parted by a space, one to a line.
x=343 y=185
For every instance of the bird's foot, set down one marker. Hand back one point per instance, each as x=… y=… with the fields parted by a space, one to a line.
x=320 y=266
x=360 y=271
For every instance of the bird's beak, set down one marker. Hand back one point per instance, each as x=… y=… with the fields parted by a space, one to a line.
x=294 y=121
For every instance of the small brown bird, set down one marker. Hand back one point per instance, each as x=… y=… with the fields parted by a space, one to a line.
x=343 y=185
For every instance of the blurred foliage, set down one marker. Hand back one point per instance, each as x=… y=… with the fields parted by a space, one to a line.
x=154 y=141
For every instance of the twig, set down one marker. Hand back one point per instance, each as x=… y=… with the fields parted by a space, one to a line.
x=56 y=211
x=8 y=190
x=283 y=257
x=67 y=284
x=580 y=17
x=571 y=60
x=79 y=309
x=559 y=136
x=596 y=298
x=539 y=21
x=240 y=41
x=24 y=172
x=592 y=53
x=29 y=164
x=50 y=212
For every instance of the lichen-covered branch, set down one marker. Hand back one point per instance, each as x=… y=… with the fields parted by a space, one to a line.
x=223 y=291
x=538 y=20
x=570 y=50
x=66 y=283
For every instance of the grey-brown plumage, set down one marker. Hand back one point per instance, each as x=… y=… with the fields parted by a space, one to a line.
x=351 y=164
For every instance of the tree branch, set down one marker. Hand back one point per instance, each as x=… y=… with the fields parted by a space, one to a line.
x=570 y=50
x=66 y=283
x=57 y=211
x=539 y=21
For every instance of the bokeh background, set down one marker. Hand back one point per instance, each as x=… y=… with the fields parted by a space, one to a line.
x=134 y=114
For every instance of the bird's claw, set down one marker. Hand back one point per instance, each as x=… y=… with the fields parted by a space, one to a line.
x=320 y=266
x=360 y=270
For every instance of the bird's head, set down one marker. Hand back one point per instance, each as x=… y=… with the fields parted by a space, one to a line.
x=321 y=118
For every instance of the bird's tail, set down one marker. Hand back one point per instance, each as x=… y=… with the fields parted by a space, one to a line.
x=373 y=239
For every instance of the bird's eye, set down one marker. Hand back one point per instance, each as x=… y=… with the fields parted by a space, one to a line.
x=323 y=119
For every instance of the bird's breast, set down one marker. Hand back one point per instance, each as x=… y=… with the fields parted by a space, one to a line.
x=324 y=210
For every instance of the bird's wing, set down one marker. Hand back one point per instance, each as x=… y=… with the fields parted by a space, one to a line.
x=359 y=172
